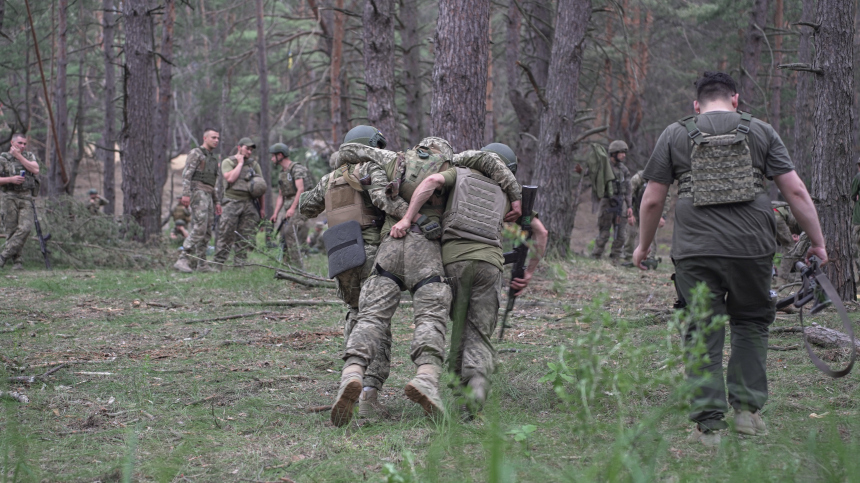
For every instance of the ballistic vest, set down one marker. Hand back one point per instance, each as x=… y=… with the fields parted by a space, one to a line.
x=241 y=188
x=15 y=168
x=413 y=167
x=345 y=200
x=207 y=170
x=475 y=209
x=287 y=182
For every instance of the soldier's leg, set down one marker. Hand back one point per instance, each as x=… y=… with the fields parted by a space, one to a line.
x=708 y=405
x=19 y=224
x=201 y=230
x=290 y=237
x=26 y=224
x=751 y=310
x=632 y=240
x=231 y=211
x=619 y=240
x=431 y=301
x=604 y=224
x=249 y=220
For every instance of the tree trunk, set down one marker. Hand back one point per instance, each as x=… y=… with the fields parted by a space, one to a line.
x=336 y=58
x=140 y=201
x=109 y=133
x=56 y=185
x=460 y=72
x=832 y=150
x=161 y=143
x=750 y=93
x=557 y=130
x=379 y=69
x=776 y=82
x=803 y=106
x=263 y=146
x=412 y=70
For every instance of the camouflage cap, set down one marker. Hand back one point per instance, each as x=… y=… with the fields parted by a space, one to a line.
x=439 y=145
x=94 y=191
x=247 y=142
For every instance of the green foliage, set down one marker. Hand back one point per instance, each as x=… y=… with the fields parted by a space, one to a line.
x=407 y=475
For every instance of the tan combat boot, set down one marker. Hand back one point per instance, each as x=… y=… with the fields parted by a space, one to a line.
x=208 y=268
x=369 y=405
x=750 y=423
x=18 y=266
x=347 y=395
x=424 y=389
x=182 y=266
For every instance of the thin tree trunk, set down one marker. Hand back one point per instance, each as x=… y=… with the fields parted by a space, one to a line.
x=109 y=133
x=140 y=201
x=60 y=97
x=776 y=82
x=263 y=146
x=803 y=106
x=161 y=142
x=832 y=150
x=557 y=130
x=411 y=70
x=460 y=72
x=379 y=68
x=336 y=59
x=750 y=93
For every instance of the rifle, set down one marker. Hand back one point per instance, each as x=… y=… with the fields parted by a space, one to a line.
x=215 y=229
x=615 y=204
x=817 y=287
x=520 y=253
x=43 y=240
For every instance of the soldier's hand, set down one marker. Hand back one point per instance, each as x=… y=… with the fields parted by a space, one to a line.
x=820 y=252
x=516 y=211
x=240 y=158
x=218 y=210
x=794 y=238
x=17 y=180
x=273 y=218
x=185 y=201
x=290 y=212
x=631 y=220
x=578 y=168
x=661 y=223
x=639 y=256
x=400 y=228
x=520 y=284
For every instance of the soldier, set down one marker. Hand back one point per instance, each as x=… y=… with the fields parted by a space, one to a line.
x=292 y=182
x=787 y=229
x=413 y=262
x=181 y=218
x=637 y=188
x=19 y=176
x=724 y=238
x=855 y=218
x=473 y=260
x=201 y=181
x=338 y=197
x=96 y=202
x=615 y=205
x=242 y=210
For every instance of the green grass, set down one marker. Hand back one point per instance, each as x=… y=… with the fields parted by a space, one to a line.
x=231 y=404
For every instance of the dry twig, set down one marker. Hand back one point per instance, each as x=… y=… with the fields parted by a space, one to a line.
x=229 y=317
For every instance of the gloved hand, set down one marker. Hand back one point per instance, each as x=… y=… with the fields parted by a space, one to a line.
x=431 y=229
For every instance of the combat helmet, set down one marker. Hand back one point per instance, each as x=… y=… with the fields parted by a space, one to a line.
x=94 y=191
x=257 y=187
x=439 y=145
x=505 y=152
x=617 y=146
x=368 y=135
x=280 y=148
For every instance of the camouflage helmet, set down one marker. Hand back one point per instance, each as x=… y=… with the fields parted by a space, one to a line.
x=505 y=152
x=257 y=187
x=439 y=145
x=280 y=148
x=94 y=191
x=367 y=135
x=617 y=146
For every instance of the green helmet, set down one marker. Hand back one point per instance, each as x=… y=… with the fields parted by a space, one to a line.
x=94 y=191
x=617 y=146
x=505 y=152
x=280 y=148
x=368 y=135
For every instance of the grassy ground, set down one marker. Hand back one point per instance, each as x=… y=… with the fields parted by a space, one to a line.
x=233 y=400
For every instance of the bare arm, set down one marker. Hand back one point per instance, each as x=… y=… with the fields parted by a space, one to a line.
x=232 y=175
x=300 y=188
x=422 y=193
x=794 y=191
x=278 y=205
x=30 y=166
x=650 y=212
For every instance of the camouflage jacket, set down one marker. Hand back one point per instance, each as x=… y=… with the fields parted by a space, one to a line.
x=786 y=224
x=287 y=180
x=192 y=163
x=621 y=184
x=312 y=202
x=637 y=190
x=95 y=204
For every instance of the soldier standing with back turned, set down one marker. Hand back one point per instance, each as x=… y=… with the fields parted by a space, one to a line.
x=19 y=171
x=201 y=180
x=616 y=206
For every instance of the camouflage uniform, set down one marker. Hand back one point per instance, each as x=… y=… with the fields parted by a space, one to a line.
x=181 y=217
x=203 y=201
x=606 y=219
x=17 y=209
x=795 y=254
x=294 y=231
x=786 y=225
x=95 y=205
x=350 y=283
x=637 y=189
x=412 y=259
x=238 y=214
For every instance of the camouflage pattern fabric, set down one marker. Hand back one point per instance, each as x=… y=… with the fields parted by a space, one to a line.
x=196 y=158
x=476 y=354
x=786 y=225
x=10 y=166
x=293 y=232
x=632 y=242
x=413 y=258
x=18 y=219
x=180 y=212
x=792 y=256
x=722 y=171
x=94 y=205
x=202 y=214
x=605 y=221
x=287 y=181
x=236 y=216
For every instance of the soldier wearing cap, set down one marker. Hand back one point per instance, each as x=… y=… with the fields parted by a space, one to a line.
x=241 y=211
x=96 y=202
x=292 y=182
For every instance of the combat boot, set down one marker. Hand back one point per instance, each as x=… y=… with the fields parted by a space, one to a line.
x=708 y=438
x=750 y=423
x=369 y=405
x=208 y=268
x=347 y=395
x=18 y=266
x=424 y=389
x=182 y=266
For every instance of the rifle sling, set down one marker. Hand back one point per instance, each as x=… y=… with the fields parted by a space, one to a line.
x=825 y=284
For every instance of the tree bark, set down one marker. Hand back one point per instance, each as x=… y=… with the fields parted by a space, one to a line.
x=750 y=94
x=161 y=142
x=379 y=69
x=460 y=72
x=56 y=185
x=411 y=70
x=833 y=132
x=109 y=132
x=263 y=146
x=336 y=59
x=557 y=129
x=140 y=201
x=776 y=82
x=803 y=106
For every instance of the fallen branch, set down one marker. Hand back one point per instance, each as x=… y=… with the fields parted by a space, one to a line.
x=291 y=303
x=318 y=409
x=32 y=379
x=47 y=364
x=85 y=373
x=783 y=348
x=17 y=396
x=12 y=329
x=282 y=275
x=171 y=305
x=228 y=317
x=821 y=336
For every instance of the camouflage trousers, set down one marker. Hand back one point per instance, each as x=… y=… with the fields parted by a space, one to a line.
x=18 y=220
x=294 y=233
x=202 y=214
x=412 y=259
x=633 y=240
x=349 y=284
x=475 y=286
x=604 y=224
x=795 y=254
x=236 y=216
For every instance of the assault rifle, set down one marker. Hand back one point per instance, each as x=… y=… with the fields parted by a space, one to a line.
x=43 y=240
x=215 y=224
x=520 y=253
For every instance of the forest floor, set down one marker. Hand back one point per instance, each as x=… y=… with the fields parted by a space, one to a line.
x=152 y=391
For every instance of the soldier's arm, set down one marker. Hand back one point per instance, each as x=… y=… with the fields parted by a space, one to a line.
x=492 y=166
x=395 y=207
x=354 y=153
x=422 y=193
x=312 y=203
x=191 y=164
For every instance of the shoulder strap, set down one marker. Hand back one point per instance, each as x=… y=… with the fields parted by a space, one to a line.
x=743 y=127
x=693 y=132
